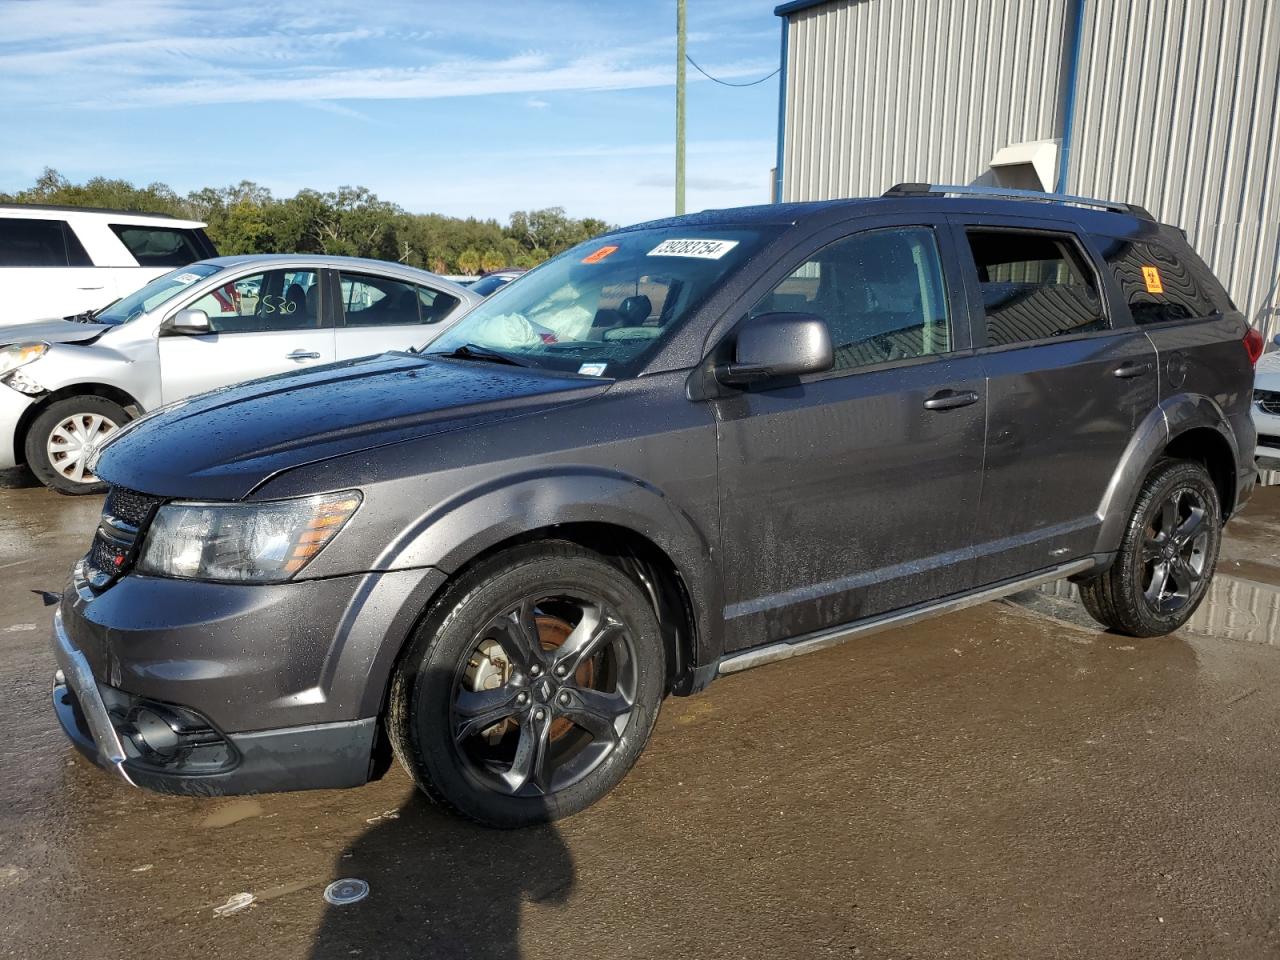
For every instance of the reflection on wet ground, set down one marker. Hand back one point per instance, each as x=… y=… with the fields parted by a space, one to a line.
x=1007 y=781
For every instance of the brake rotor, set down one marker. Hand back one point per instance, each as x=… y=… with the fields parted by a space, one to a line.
x=552 y=632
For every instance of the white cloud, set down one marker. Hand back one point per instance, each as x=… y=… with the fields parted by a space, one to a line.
x=537 y=103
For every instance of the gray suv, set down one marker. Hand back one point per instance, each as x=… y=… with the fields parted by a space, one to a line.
x=677 y=451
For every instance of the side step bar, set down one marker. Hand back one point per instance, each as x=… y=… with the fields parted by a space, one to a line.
x=813 y=642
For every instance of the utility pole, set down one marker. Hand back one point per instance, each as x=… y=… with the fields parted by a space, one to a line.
x=680 y=58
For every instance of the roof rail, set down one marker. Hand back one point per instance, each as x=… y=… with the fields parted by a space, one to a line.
x=72 y=208
x=1010 y=193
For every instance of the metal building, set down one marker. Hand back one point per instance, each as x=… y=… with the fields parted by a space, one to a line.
x=1171 y=104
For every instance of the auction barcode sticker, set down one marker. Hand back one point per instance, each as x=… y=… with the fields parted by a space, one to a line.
x=702 y=249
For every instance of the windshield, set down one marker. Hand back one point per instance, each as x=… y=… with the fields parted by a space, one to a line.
x=159 y=290
x=605 y=306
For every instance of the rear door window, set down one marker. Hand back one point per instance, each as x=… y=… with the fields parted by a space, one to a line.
x=1034 y=286
x=40 y=243
x=1158 y=287
x=160 y=246
x=371 y=301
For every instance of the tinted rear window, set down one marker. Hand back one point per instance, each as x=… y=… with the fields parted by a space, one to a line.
x=39 y=243
x=161 y=246
x=1158 y=286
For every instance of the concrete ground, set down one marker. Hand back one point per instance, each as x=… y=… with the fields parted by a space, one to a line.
x=1007 y=781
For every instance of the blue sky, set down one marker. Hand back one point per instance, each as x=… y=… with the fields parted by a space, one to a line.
x=465 y=108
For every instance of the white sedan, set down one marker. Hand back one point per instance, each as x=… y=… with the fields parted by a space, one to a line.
x=66 y=385
x=1266 y=405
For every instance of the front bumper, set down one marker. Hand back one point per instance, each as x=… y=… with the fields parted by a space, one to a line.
x=1268 y=427
x=258 y=688
x=317 y=756
x=12 y=406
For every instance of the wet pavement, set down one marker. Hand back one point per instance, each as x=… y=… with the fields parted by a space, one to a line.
x=1007 y=781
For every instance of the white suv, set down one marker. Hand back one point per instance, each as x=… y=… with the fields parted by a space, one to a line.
x=63 y=261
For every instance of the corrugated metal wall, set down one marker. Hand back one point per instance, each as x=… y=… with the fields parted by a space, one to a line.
x=881 y=91
x=1179 y=109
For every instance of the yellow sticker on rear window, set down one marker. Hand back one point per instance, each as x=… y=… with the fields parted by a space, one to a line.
x=1152 y=276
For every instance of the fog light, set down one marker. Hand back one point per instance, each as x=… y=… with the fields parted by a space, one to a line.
x=152 y=733
x=24 y=384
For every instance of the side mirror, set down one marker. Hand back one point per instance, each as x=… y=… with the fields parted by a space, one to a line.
x=1276 y=341
x=779 y=345
x=190 y=323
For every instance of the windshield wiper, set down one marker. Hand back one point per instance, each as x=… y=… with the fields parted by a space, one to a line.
x=469 y=351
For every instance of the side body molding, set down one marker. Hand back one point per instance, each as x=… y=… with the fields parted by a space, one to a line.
x=460 y=528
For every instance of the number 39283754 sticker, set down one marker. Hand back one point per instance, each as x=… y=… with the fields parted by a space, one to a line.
x=1151 y=275
x=699 y=249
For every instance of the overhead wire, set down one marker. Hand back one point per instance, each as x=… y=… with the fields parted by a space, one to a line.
x=730 y=83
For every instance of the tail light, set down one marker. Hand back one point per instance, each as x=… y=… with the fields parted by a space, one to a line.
x=1253 y=344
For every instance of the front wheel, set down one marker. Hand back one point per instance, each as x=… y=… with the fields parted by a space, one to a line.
x=63 y=438
x=531 y=687
x=1167 y=554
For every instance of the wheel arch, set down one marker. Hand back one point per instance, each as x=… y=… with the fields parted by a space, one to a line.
x=29 y=415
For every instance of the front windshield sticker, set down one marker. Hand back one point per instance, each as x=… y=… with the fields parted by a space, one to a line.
x=701 y=249
x=599 y=254
x=593 y=369
x=185 y=278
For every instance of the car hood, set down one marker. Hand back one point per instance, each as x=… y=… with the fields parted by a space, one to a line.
x=1266 y=375
x=222 y=445
x=53 y=331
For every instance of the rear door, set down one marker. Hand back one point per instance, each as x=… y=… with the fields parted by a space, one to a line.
x=853 y=492
x=271 y=321
x=1068 y=383
x=377 y=313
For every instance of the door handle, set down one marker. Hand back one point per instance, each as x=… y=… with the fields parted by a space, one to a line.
x=950 y=399
x=303 y=355
x=1128 y=370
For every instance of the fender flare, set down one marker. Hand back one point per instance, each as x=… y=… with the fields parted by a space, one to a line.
x=457 y=530
x=1173 y=417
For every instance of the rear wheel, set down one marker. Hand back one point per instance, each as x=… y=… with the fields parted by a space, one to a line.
x=530 y=688
x=1167 y=555
x=63 y=438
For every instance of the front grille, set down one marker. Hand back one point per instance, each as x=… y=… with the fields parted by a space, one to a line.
x=124 y=518
x=1268 y=401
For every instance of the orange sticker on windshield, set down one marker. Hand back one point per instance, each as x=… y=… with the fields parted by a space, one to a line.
x=1152 y=276
x=599 y=254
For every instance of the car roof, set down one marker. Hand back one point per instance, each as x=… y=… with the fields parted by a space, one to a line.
x=340 y=263
x=51 y=211
x=1077 y=210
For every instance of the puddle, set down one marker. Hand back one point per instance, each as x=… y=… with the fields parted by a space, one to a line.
x=232 y=812
x=1235 y=609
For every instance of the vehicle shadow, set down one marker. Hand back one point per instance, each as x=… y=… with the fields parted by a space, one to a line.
x=440 y=886
x=17 y=478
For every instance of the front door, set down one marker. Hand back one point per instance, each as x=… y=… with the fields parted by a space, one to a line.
x=263 y=323
x=1067 y=387
x=854 y=492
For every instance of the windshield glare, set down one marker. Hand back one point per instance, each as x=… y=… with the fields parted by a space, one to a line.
x=162 y=288
x=604 y=307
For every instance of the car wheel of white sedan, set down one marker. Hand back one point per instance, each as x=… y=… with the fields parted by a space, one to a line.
x=65 y=436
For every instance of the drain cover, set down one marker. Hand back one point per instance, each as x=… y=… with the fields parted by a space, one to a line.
x=342 y=892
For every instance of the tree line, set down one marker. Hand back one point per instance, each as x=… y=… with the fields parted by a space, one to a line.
x=349 y=221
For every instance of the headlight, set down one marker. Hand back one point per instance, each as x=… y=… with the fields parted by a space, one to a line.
x=17 y=355
x=248 y=542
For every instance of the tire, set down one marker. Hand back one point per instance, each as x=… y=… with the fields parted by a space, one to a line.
x=1131 y=597
x=475 y=704
x=77 y=425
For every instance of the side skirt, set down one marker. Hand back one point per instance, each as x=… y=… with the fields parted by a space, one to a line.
x=813 y=642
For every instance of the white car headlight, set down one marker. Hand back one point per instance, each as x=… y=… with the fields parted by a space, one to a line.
x=17 y=355
x=264 y=542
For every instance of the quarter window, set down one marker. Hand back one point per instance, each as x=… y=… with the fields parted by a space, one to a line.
x=1034 y=286
x=261 y=302
x=1158 y=287
x=159 y=246
x=880 y=292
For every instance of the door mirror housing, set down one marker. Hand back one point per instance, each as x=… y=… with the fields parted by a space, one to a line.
x=779 y=345
x=189 y=323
